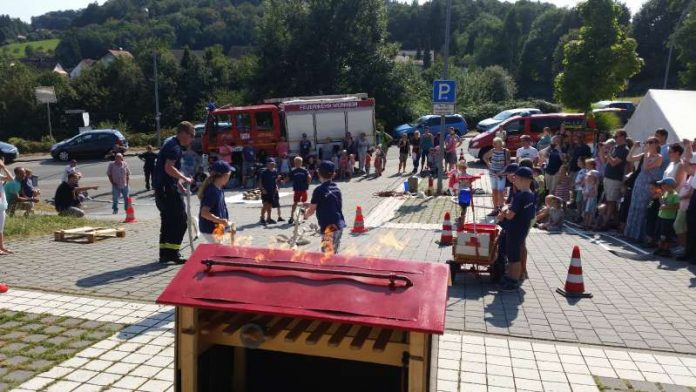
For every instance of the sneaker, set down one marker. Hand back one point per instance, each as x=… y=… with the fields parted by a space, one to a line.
x=270 y=221
x=291 y=221
x=262 y=221
x=280 y=219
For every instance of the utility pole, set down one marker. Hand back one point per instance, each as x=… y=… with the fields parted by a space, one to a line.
x=50 y=127
x=445 y=74
x=157 y=108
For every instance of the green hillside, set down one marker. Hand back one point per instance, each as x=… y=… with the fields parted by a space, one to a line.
x=17 y=50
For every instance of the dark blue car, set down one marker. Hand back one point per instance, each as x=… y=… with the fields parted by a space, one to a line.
x=433 y=122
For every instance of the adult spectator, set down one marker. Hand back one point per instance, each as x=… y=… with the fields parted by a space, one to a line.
x=426 y=143
x=167 y=182
x=349 y=144
x=67 y=197
x=452 y=141
x=15 y=197
x=384 y=141
x=404 y=150
x=282 y=147
x=225 y=150
x=614 y=172
x=690 y=251
x=149 y=158
x=675 y=167
x=553 y=161
x=71 y=168
x=362 y=146
x=415 y=150
x=545 y=139
x=119 y=177
x=661 y=135
x=497 y=160
x=578 y=150
x=527 y=151
x=650 y=172
x=248 y=162
x=305 y=147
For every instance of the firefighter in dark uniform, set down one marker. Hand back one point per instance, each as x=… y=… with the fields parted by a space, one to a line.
x=167 y=180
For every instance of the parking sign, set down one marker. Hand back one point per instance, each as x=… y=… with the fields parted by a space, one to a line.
x=444 y=91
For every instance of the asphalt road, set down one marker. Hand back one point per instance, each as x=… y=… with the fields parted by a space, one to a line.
x=50 y=174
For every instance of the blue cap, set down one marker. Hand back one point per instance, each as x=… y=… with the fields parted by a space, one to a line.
x=511 y=168
x=270 y=160
x=327 y=166
x=221 y=167
x=524 y=172
x=667 y=181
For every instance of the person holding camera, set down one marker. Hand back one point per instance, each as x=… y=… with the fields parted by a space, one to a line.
x=651 y=171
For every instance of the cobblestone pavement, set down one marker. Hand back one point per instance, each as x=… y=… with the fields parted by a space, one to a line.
x=31 y=343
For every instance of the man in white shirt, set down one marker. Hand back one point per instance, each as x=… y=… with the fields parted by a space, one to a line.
x=527 y=151
x=71 y=168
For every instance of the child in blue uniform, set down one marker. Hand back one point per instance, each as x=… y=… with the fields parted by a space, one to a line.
x=327 y=202
x=300 y=184
x=269 y=192
x=518 y=217
x=213 y=210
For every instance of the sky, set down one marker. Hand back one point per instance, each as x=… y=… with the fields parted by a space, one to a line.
x=26 y=9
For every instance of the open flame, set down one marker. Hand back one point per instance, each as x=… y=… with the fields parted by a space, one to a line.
x=390 y=241
x=327 y=244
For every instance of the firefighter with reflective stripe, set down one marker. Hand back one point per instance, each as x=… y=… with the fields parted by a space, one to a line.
x=167 y=181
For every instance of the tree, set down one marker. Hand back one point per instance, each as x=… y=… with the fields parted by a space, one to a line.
x=652 y=27
x=194 y=83
x=685 y=45
x=597 y=65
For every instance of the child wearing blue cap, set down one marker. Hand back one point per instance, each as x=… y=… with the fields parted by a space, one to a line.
x=213 y=214
x=518 y=218
x=327 y=202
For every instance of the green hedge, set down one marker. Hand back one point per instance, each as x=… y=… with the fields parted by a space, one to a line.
x=32 y=146
x=475 y=113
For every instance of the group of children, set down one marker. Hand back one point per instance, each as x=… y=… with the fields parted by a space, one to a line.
x=326 y=200
x=346 y=163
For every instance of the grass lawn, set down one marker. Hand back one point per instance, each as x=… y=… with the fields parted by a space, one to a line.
x=39 y=224
x=16 y=50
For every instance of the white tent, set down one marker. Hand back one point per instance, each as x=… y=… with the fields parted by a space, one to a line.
x=668 y=109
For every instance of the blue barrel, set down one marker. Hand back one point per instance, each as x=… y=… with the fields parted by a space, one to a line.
x=405 y=186
x=465 y=196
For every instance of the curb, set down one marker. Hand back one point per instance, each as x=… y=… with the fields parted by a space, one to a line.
x=50 y=158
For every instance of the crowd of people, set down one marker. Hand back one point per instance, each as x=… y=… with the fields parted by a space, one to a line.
x=643 y=190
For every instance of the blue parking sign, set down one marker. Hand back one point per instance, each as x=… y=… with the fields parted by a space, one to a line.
x=444 y=91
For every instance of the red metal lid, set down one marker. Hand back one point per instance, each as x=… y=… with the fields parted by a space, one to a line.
x=376 y=292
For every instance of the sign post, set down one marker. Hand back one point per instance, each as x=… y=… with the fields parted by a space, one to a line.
x=47 y=95
x=444 y=97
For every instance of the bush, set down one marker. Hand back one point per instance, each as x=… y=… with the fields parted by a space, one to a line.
x=32 y=146
x=607 y=121
x=142 y=139
x=475 y=113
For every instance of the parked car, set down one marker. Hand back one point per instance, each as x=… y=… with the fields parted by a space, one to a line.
x=487 y=124
x=433 y=122
x=97 y=143
x=628 y=106
x=513 y=128
x=8 y=152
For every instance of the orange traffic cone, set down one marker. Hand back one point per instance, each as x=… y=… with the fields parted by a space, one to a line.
x=431 y=186
x=574 y=286
x=130 y=212
x=446 y=235
x=4 y=287
x=359 y=225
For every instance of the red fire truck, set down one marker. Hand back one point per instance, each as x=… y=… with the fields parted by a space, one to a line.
x=325 y=119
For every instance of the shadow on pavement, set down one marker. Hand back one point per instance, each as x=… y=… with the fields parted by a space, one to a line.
x=122 y=274
x=504 y=309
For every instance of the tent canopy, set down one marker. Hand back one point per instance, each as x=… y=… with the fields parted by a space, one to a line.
x=668 y=109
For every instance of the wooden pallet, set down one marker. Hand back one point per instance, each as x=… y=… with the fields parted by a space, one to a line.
x=91 y=234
